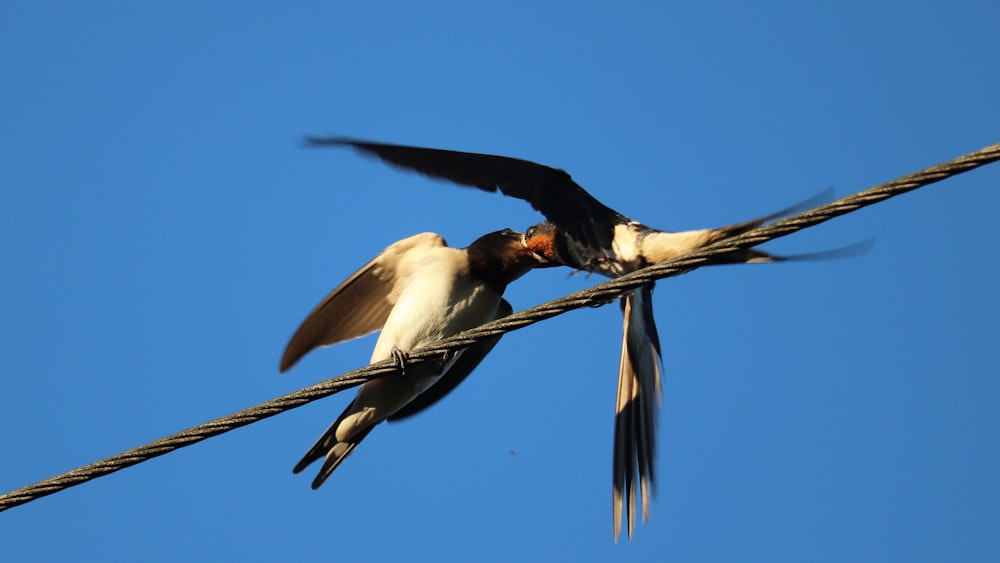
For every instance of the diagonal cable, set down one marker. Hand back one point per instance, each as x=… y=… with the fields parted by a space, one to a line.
x=596 y=296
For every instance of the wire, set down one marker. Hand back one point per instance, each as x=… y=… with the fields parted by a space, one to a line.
x=596 y=296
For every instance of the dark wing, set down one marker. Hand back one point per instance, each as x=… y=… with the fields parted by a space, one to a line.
x=461 y=369
x=359 y=305
x=549 y=190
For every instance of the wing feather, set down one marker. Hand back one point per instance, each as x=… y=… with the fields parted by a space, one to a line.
x=361 y=304
x=549 y=190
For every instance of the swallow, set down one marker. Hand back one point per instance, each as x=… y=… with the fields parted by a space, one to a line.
x=583 y=233
x=417 y=291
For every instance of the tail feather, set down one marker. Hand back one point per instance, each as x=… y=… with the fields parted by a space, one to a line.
x=323 y=444
x=623 y=494
x=639 y=391
x=740 y=228
x=757 y=256
x=337 y=454
x=328 y=446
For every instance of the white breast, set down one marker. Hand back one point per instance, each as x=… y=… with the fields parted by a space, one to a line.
x=438 y=300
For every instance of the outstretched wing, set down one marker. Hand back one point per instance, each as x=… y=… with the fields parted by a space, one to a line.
x=360 y=304
x=549 y=190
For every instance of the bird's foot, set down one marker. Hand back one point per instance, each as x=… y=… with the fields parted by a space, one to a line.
x=400 y=358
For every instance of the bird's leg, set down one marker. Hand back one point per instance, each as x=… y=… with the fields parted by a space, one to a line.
x=399 y=357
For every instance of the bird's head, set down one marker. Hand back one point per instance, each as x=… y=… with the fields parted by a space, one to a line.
x=503 y=256
x=543 y=240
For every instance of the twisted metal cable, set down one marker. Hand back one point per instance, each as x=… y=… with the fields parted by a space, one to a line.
x=596 y=296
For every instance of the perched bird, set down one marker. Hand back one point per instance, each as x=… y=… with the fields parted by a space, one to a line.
x=417 y=291
x=585 y=234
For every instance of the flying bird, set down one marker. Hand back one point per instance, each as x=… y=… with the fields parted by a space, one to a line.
x=583 y=233
x=417 y=291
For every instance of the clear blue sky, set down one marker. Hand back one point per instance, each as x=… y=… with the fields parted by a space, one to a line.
x=162 y=235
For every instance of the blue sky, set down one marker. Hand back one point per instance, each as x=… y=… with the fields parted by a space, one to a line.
x=163 y=234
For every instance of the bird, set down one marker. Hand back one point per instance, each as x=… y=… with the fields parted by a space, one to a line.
x=417 y=291
x=585 y=234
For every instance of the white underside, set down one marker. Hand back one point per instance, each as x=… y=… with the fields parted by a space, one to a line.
x=438 y=300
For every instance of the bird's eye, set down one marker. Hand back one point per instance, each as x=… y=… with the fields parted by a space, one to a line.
x=507 y=232
x=530 y=232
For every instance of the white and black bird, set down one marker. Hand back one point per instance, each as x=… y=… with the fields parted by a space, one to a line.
x=417 y=291
x=583 y=233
